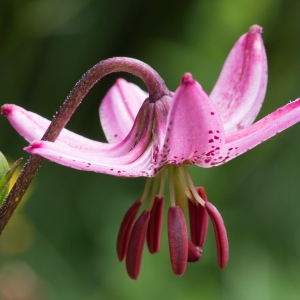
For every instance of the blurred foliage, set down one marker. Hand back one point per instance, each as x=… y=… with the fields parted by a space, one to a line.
x=63 y=240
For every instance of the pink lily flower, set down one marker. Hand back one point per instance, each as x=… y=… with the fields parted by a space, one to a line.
x=146 y=138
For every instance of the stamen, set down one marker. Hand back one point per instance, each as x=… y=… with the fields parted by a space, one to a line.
x=179 y=189
x=125 y=229
x=220 y=234
x=162 y=183
x=184 y=183
x=191 y=185
x=171 y=185
x=153 y=193
x=155 y=225
x=136 y=245
x=178 y=240
x=146 y=190
x=194 y=252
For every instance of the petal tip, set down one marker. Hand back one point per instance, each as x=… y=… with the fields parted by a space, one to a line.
x=6 y=110
x=255 y=29
x=187 y=78
x=33 y=146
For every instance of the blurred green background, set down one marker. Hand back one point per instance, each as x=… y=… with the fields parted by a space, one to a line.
x=60 y=244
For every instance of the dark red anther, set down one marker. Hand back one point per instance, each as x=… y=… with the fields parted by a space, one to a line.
x=125 y=229
x=136 y=245
x=220 y=234
x=198 y=219
x=194 y=252
x=155 y=225
x=178 y=240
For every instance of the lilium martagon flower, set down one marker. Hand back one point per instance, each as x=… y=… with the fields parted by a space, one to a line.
x=150 y=138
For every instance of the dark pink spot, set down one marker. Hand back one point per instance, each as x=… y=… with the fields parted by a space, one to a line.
x=210 y=132
x=216 y=137
x=212 y=113
x=230 y=149
x=211 y=141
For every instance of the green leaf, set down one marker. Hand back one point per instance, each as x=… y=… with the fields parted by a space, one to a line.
x=3 y=165
x=5 y=179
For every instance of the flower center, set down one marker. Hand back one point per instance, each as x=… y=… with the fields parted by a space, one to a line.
x=132 y=234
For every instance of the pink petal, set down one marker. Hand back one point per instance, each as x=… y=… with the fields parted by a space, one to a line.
x=119 y=109
x=131 y=158
x=193 y=125
x=32 y=126
x=241 y=87
x=239 y=142
x=136 y=163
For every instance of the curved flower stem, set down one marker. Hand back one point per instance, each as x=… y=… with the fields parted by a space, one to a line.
x=156 y=88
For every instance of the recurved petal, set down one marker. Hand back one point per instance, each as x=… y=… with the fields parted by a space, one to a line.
x=119 y=109
x=193 y=125
x=239 y=142
x=32 y=127
x=241 y=87
x=136 y=163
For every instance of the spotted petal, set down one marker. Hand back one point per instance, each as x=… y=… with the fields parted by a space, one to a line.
x=243 y=140
x=119 y=109
x=193 y=125
x=241 y=87
x=131 y=158
x=132 y=164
